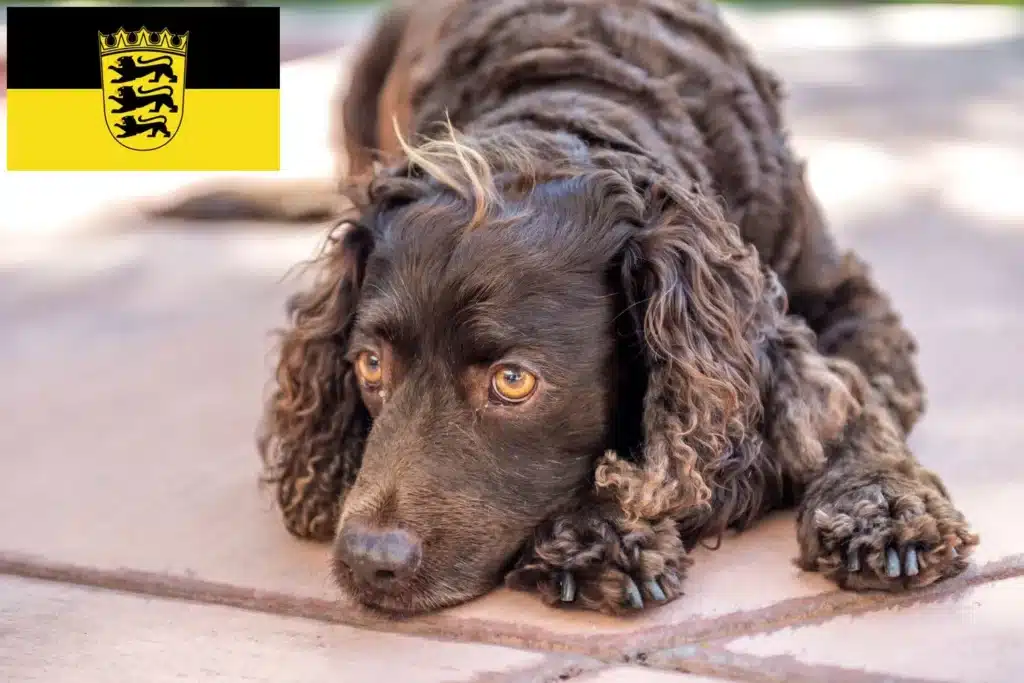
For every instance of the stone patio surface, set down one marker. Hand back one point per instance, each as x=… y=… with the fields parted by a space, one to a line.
x=136 y=545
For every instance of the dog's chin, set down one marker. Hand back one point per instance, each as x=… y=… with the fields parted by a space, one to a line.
x=419 y=597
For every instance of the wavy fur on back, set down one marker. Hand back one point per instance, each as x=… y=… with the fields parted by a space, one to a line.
x=659 y=89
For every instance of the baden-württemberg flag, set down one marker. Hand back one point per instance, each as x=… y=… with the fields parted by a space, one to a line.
x=158 y=88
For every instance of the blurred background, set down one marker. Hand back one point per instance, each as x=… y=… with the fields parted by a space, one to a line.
x=133 y=354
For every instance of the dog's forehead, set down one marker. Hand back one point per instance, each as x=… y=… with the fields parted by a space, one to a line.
x=495 y=289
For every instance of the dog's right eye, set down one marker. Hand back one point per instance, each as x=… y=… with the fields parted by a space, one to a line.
x=513 y=384
x=369 y=369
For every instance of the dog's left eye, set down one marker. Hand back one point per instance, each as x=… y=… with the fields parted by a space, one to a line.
x=513 y=384
x=369 y=369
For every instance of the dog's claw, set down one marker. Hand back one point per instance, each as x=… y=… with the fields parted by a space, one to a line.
x=654 y=589
x=911 y=567
x=954 y=553
x=633 y=597
x=892 y=563
x=853 y=562
x=568 y=587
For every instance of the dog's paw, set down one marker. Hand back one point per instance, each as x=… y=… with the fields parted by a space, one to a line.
x=590 y=562
x=893 y=535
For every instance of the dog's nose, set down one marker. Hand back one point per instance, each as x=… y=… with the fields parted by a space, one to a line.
x=379 y=556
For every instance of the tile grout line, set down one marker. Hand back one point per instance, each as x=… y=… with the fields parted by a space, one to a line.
x=623 y=647
x=818 y=609
x=721 y=663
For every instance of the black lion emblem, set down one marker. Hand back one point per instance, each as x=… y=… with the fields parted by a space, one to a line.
x=130 y=68
x=129 y=100
x=153 y=125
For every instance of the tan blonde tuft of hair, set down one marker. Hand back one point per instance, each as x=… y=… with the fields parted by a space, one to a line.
x=459 y=166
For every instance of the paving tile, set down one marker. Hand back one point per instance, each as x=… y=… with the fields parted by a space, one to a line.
x=972 y=638
x=636 y=674
x=135 y=372
x=54 y=633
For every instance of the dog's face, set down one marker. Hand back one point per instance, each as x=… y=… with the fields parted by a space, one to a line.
x=486 y=359
x=475 y=365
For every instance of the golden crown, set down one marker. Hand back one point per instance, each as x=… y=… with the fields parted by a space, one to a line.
x=126 y=41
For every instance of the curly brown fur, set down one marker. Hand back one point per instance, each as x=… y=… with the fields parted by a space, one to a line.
x=874 y=504
x=621 y=215
x=314 y=424
x=605 y=554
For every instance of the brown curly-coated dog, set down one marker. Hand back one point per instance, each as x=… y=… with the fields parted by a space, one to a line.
x=603 y=321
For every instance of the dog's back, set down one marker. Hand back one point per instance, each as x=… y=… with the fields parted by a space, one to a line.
x=665 y=83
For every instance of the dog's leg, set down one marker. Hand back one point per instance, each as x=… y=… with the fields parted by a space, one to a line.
x=870 y=515
x=851 y=314
x=592 y=556
x=875 y=518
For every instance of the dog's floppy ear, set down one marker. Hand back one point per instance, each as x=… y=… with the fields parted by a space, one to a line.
x=315 y=423
x=693 y=288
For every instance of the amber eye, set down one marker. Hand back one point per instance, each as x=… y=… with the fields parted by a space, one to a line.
x=369 y=368
x=513 y=384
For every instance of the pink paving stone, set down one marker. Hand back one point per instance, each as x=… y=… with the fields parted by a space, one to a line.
x=59 y=633
x=976 y=637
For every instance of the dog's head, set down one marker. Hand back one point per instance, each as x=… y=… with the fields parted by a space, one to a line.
x=477 y=344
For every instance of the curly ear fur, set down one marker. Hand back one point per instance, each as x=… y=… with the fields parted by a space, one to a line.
x=698 y=286
x=721 y=356
x=315 y=423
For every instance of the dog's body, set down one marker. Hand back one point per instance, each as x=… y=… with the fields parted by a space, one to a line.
x=603 y=323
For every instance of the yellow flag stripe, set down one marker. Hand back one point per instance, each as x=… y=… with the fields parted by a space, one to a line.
x=221 y=130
